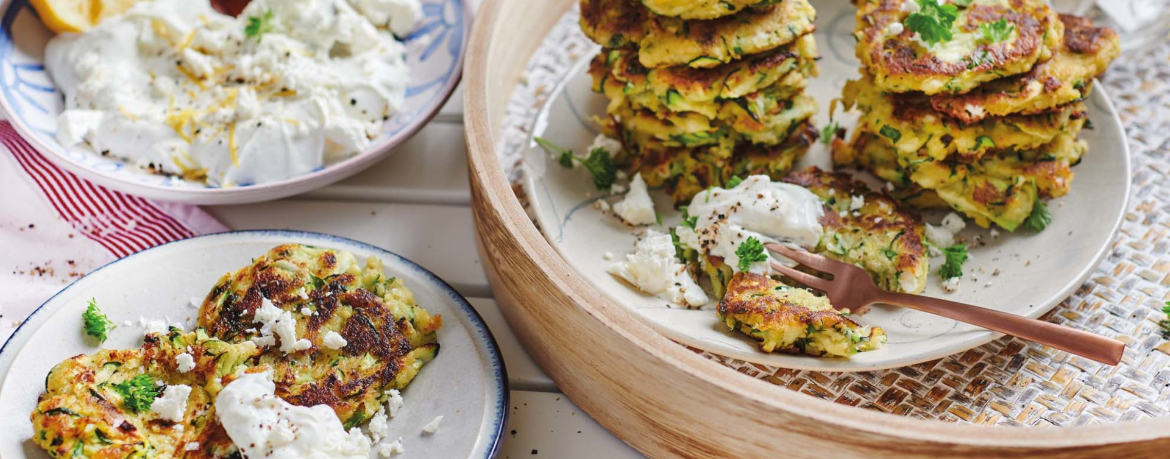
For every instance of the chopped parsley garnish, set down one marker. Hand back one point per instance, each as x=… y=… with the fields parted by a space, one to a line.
x=96 y=323
x=750 y=251
x=984 y=141
x=933 y=21
x=679 y=248
x=688 y=220
x=956 y=255
x=829 y=132
x=734 y=182
x=890 y=253
x=259 y=25
x=599 y=164
x=995 y=32
x=1040 y=217
x=890 y=133
x=138 y=392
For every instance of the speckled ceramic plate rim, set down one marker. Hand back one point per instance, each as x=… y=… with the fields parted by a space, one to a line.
x=485 y=342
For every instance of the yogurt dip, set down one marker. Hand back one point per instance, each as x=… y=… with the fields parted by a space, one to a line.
x=280 y=91
x=757 y=207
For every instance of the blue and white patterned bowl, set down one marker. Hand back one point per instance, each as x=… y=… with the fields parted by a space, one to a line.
x=32 y=103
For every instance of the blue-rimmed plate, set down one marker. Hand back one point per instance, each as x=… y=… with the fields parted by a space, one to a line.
x=466 y=384
x=32 y=103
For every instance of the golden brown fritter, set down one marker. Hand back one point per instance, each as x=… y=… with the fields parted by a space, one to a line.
x=663 y=41
x=793 y=320
x=702 y=9
x=900 y=63
x=1067 y=78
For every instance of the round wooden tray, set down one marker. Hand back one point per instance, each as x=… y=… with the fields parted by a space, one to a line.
x=656 y=395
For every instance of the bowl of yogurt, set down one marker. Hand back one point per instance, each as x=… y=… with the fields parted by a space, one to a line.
x=174 y=100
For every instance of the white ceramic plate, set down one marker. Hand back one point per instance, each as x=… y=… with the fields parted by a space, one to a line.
x=1036 y=271
x=466 y=383
x=32 y=102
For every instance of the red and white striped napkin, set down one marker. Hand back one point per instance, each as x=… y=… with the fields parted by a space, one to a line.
x=55 y=227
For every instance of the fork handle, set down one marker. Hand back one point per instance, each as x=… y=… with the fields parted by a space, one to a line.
x=1082 y=343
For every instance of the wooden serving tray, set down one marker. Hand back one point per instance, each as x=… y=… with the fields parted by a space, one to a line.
x=656 y=395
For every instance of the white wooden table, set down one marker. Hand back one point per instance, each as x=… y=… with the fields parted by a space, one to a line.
x=416 y=204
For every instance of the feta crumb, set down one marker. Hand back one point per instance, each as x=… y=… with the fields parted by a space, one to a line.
x=302 y=293
x=393 y=448
x=637 y=208
x=611 y=146
x=305 y=311
x=394 y=403
x=152 y=326
x=617 y=188
x=603 y=205
x=608 y=256
x=173 y=403
x=857 y=203
x=653 y=269
x=278 y=323
x=994 y=233
x=379 y=426
x=193 y=446
x=974 y=110
x=432 y=426
x=943 y=235
x=185 y=362
x=895 y=28
x=908 y=281
x=951 y=285
x=333 y=340
x=910 y=7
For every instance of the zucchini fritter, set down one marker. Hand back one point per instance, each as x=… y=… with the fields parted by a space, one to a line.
x=784 y=72
x=665 y=41
x=793 y=320
x=1067 y=78
x=82 y=415
x=759 y=119
x=919 y=132
x=1000 y=188
x=901 y=63
x=881 y=236
x=702 y=9
x=389 y=337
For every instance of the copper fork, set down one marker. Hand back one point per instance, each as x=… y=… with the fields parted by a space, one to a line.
x=852 y=288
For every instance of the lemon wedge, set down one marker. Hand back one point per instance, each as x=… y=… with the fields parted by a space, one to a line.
x=78 y=15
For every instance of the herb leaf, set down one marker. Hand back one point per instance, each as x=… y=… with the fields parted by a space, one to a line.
x=734 y=182
x=995 y=32
x=829 y=132
x=956 y=255
x=890 y=133
x=688 y=220
x=750 y=251
x=599 y=164
x=933 y=21
x=138 y=392
x=259 y=25
x=1040 y=217
x=95 y=322
x=1165 y=323
x=679 y=248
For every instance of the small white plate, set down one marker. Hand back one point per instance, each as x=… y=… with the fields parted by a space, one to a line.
x=1035 y=271
x=32 y=102
x=466 y=383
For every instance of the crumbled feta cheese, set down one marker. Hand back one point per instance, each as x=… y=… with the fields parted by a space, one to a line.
x=278 y=323
x=185 y=362
x=975 y=110
x=637 y=208
x=333 y=340
x=952 y=284
x=617 y=188
x=603 y=205
x=611 y=146
x=305 y=311
x=857 y=203
x=608 y=256
x=394 y=403
x=302 y=293
x=994 y=233
x=152 y=325
x=654 y=269
x=379 y=426
x=895 y=28
x=908 y=281
x=172 y=404
x=432 y=426
x=910 y=6
x=393 y=448
x=943 y=235
x=193 y=446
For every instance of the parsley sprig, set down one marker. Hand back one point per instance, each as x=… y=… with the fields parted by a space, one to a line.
x=734 y=182
x=933 y=21
x=955 y=256
x=1040 y=217
x=829 y=132
x=599 y=164
x=259 y=25
x=688 y=220
x=138 y=392
x=750 y=251
x=995 y=32
x=1165 y=323
x=95 y=322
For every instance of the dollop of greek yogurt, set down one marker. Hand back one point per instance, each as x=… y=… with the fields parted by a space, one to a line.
x=758 y=207
x=264 y=425
x=176 y=87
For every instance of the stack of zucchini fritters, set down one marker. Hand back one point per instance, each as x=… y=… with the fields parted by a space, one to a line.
x=701 y=91
x=981 y=115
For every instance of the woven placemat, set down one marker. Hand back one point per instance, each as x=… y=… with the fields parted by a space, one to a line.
x=1007 y=381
